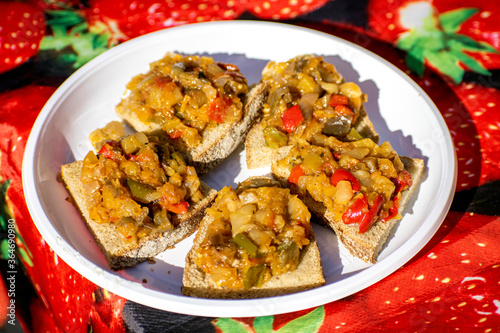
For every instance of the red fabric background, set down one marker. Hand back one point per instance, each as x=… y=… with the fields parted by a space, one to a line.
x=451 y=284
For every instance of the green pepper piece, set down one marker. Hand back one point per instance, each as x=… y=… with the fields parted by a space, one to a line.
x=179 y=115
x=274 y=138
x=254 y=276
x=243 y=241
x=289 y=252
x=353 y=135
x=178 y=158
x=141 y=192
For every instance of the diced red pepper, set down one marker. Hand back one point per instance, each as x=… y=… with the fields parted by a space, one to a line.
x=179 y=208
x=369 y=218
x=141 y=158
x=359 y=212
x=402 y=182
x=393 y=211
x=108 y=152
x=342 y=174
x=346 y=111
x=292 y=118
x=217 y=109
x=356 y=211
x=295 y=174
x=175 y=134
x=338 y=100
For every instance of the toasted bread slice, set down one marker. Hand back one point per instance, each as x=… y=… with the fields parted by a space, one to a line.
x=307 y=275
x=258 y=154
x=120 y=254
x=368 y=245
x=216 y=142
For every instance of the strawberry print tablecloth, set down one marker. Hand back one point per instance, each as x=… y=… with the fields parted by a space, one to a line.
x=450 y=48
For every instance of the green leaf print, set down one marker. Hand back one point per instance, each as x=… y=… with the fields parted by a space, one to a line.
x=72 y=39
x=308 y=323
x=5 y=213
x=453 y=19
x=263 y=324
x=442 y=47
x=228 y=325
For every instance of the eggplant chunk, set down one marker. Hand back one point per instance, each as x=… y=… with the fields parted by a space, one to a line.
x=337 y=126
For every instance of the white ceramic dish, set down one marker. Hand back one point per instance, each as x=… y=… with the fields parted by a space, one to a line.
x=400 y=110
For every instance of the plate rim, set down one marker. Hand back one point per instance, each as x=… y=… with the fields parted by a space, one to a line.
x=211 y=307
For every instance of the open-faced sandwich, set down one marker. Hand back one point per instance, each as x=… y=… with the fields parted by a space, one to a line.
x=137 y=196
x=306 y=98
x=358 y=189
x=205 y=107
x=255 y=241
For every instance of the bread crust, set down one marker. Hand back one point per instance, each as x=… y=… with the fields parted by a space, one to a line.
x=368 y=245
x=217 y=143
x=307 y=275
x=119 y=254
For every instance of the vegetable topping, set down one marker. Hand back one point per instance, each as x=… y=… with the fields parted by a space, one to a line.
x=187 y=95
x=137 y=183
x=307 y=97
x=256 y=233
x=359 y=182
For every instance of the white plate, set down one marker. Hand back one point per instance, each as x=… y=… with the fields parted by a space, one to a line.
x=400 y=110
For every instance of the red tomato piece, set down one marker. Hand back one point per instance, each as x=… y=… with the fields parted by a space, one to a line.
x=369 y=218
x=292 y=118
x=356 y=211
x=342 y=174
x=217 y=109
x=344 y=110
x=338 y=100
x=179 y=208
x=295 y=174
x=402 y=182
x=108 y=152
x=175 y=134
x=393 y=211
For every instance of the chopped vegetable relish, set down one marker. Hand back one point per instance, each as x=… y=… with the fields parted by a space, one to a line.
x=359 y=182
x=256 y=233
x=308 y=97
x=187 y=95
x=137 y=183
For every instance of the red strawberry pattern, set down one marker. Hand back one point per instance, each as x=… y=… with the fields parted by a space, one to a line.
x=22 y=27
x=282 y=9
x=127 y=19
x=4 y=303
x=68 y=296
x=450 y=284
x=465 y=134
x=482 y=26
x=435 y=38
x=384 y=19
x=56 y=4
x=483 y=104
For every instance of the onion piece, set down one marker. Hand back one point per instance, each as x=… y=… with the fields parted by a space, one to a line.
x=306 y=104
